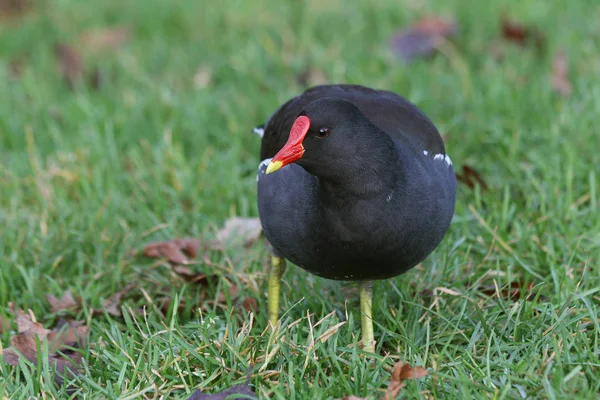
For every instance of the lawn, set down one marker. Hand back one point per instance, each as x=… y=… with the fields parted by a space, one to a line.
x=154 y=142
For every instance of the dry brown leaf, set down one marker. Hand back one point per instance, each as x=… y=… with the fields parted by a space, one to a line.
x=65 y=303
x=173 y=251
x=112 y=305
x=66 y=334
x=243 y=391
x=511 y=291
x=12 y=8
x=402 y=372
x=26 y=323
x=520 y=34
x=190 y=276
x=102 y=39
x=560 y=74
x=238 y=230
x=70 y=63
x=422 y=39
x=470 y=177
x=249 y=304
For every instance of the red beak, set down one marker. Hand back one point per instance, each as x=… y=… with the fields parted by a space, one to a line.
x=293 y=149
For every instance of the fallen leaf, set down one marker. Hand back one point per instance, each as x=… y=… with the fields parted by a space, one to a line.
x=233 y=291
x=311 y=77
x=249 y=304
x=402 y=372
x=173 y=251
x=520 y=34
x=65 y=303
x=102 y=39
x=241 y=391
x=202 y=77
x=66 y=335
x=238 y=230
x=26 y=323
x=70 y=63
x=112 y=305
x=470 y=177
x=190 y=276
x=422 y=39
x=560 y=74
x=12 y=8
x=511 y=291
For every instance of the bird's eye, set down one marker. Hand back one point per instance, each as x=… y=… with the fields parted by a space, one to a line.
x=323 y=133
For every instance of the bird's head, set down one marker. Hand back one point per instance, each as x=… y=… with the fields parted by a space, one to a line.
x=321 y=133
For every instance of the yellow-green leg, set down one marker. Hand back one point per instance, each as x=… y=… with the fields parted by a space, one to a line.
x=366 y=316
x=275 y=273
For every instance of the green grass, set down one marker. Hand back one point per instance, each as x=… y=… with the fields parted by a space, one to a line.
x=86 y=176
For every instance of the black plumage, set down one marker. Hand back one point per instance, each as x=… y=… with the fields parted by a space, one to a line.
x=373 y=192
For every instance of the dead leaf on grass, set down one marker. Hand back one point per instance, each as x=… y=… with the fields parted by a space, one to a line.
x=249 y=304
x=174 y=251
x=423 y=38
x=14 y=8
x=112 y=305
x=560 y=74
x=70 y=63
x=512 y=291
x=520 y=34
x=470 y=177
x=402 y=372
x=26 y=322
x=66 y=303
x=238 y=230
x=179 y=251
x=66 y=335
x=241 y=391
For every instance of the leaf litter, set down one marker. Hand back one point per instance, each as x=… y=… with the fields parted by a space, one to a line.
x=423 y=38
x=71 y=57
x=63 y=342
x=241 y=391
x=522 y=35
x=66 y=303
x=471 y=177
x=180 y=254
x=401 y=372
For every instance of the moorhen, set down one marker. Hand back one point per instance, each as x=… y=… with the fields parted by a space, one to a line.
x=364 y=189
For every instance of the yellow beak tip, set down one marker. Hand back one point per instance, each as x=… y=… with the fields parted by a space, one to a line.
x=273 y=166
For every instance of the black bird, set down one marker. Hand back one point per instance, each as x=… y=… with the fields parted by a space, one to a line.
x=364 y=189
